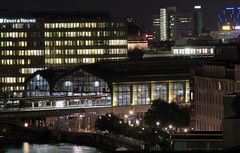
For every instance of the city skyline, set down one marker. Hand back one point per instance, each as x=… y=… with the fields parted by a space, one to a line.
x=140 y=11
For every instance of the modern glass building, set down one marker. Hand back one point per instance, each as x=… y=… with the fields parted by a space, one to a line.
x=31 y=41
x=117 y=83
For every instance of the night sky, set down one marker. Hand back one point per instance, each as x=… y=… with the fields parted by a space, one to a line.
x=138 y=9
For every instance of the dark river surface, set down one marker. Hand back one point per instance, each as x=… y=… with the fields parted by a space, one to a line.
x=48 y=148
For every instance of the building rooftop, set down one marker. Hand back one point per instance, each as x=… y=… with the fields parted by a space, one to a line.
x=127 y=71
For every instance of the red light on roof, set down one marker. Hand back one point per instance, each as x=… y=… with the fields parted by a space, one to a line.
x=149 y=36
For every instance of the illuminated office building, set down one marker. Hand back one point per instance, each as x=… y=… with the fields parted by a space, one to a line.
x=175 y=24
x=186 y=23
x=156 y=26
x=21 y=52
x=193 y=51
x=165 y=23
x=229 y=17
x=31 y=41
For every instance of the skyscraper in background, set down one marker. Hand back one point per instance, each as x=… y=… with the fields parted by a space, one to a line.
x=186 y=23
x=156 y=26
x=229 y=16
x=164 y=22
x=172 y=24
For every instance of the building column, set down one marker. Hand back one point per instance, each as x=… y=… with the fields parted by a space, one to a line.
x=187 y=92
x=114 y=99
x=170 y=91
x=133 y=99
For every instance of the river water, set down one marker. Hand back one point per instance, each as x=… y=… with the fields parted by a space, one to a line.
x=48 y=148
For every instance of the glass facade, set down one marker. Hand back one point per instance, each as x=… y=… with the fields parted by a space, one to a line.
x=79 y=83
x=176 y=92
x=160 y=91
x=37 y=86
x=142 y=93
x=123 y=94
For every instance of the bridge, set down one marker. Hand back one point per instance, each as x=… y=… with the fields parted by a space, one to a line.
x=71 y=113
x=50 y=106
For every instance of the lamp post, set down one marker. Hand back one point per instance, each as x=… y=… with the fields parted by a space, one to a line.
x=170 y=126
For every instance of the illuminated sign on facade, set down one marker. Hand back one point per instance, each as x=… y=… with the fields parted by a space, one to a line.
x=21 y=20
x=237 y=27
x=226 y=27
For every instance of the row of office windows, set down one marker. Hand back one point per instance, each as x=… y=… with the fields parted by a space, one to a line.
x=86 y=43
x=13 y=34
x=118 y=51
x=85 y=51
x=193 y=51
x=74 y=52
x=74 y=34
x=29 y=70
x=12 y=88
x=12 y=80
x=83 y=25
x=74 y=25
x=69 y=60
x=79 y=60
x=16 y=26
x=22 y=52
x=13 y=44
x=15 y=61
x=73 y=43
x=117 y=42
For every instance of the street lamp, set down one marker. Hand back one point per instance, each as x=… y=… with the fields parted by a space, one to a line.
x=185 y=130
x=26 y=124
x=170 y=126
x=131 y=112
x=157 y=123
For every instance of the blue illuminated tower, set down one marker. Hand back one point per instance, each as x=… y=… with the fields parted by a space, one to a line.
x=229 y=16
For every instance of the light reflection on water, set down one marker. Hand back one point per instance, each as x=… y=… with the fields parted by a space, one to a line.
x=50 y=148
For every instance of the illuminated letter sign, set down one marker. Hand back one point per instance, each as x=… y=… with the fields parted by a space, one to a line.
x=21 y=20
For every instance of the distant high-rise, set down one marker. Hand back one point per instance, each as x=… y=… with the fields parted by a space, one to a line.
x=186 y=23
x=197 y=21
x=156 y=26
x=165 y=22
x=178 y=24
x=229 y=16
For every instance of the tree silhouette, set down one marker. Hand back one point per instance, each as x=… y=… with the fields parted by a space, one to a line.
x=167 y=113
